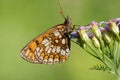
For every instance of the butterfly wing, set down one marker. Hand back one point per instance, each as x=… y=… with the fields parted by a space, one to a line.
x=51 y=47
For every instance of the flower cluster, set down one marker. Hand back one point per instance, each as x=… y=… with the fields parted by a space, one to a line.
x=102 y=41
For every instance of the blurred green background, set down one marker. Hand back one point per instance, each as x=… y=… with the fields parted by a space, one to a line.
x=22 y=20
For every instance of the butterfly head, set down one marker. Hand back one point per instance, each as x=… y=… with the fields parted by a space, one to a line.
x=68 y=24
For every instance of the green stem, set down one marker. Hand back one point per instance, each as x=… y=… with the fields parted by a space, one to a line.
x=105 y=64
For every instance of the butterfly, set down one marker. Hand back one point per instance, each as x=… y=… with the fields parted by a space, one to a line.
x=50 y=47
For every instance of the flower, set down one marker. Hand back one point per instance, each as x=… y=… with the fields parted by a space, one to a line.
x=102 y=41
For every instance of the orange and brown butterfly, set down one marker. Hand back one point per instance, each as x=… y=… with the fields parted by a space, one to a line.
x=50 y=47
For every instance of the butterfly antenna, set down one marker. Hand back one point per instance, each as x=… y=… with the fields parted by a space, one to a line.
x=61 y=10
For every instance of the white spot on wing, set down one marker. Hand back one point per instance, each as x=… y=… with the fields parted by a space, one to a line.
x=56 y=41
x=38 y=53
x=62 y=52
x=37 y=49
x=41 y=58
x=45 y=41
x=63 y=41
x=50 y=61
x=56 y=33
x=49 y=50
x=51 y=46
x=45 y=61
x=27 y=52
x=58 y=49
x=41 y=50
x=46 y=48
x=56 y=60
x=46 y=44
x=60 y=36
x=54 y=48
x=67 y=50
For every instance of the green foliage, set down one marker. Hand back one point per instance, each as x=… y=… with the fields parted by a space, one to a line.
x=103 y=43
x=99 y=67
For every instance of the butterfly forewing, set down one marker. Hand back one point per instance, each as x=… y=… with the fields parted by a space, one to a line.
x=51 y=47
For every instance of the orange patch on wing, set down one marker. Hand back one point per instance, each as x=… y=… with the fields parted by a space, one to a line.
x=39 y=39
x=42 y=54
x=56 y=56
x=32 y=45
x=33 y=57
x=51 y=56
x=30 y=54
x=46 y=57
x=63 y=58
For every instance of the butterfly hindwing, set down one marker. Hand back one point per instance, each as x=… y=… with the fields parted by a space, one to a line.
x=51 y=47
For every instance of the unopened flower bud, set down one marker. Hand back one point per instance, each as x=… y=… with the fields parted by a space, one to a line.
x=96 y=42
x=96 y=30
x=83 y=35
x=107 y=37
x=114 y=27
